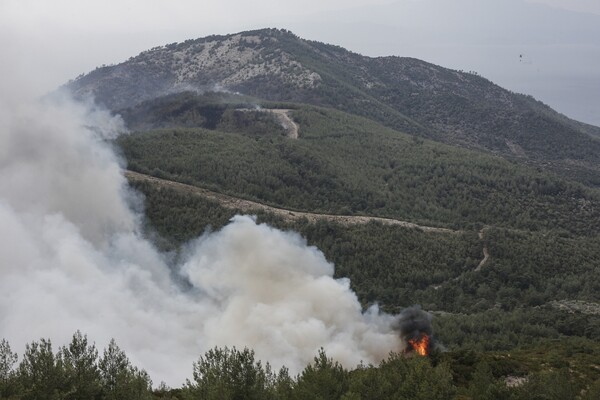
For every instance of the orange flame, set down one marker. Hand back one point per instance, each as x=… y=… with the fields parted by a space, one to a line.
x=420 y=345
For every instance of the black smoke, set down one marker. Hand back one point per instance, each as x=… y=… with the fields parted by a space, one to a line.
x=412 y=323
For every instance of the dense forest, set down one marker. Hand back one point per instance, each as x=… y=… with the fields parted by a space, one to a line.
x=348 y=165
x=77 y=371
x=513 y=300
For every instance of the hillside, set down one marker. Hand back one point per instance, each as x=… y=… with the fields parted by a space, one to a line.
x=539 y=231
x=413 y=96
x=422 y=185
x=344 y=164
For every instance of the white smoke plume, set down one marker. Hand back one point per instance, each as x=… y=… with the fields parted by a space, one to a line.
x=72 y=257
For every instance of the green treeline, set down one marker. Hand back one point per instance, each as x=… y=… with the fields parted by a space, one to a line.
x=77 y=371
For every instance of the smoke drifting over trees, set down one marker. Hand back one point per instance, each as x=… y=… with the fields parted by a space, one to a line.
x=72 y=257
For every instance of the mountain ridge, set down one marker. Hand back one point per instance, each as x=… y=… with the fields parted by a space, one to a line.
x=413 y=96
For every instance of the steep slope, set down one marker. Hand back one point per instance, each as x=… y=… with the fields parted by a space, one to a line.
x=344 y=164
x=411 y=95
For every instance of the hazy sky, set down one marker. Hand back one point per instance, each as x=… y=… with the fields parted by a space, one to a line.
x=547 y=48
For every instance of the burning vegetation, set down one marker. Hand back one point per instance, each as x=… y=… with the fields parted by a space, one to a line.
x=416 y=331
x=420 y=345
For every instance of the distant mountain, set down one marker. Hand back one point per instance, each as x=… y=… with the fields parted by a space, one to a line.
x=410 y=95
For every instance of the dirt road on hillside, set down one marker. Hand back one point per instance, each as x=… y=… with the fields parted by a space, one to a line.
x=486 y=253
x=248 y=206
x=282 y=116
x=288 y=124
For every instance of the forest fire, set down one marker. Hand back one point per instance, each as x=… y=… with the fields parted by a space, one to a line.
x=421 y=344
x=414 y=326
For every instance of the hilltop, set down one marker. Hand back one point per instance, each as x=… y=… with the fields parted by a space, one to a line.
x=422 y=99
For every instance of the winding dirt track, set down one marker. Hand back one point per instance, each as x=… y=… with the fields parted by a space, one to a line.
x=288 y=215
x=288 y=124
x=486 y=254
x=282 y=116
x=248 y=206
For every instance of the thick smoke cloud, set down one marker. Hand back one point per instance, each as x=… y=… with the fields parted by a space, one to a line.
x=412 y=322
x=277 y=295
x=72 y=257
